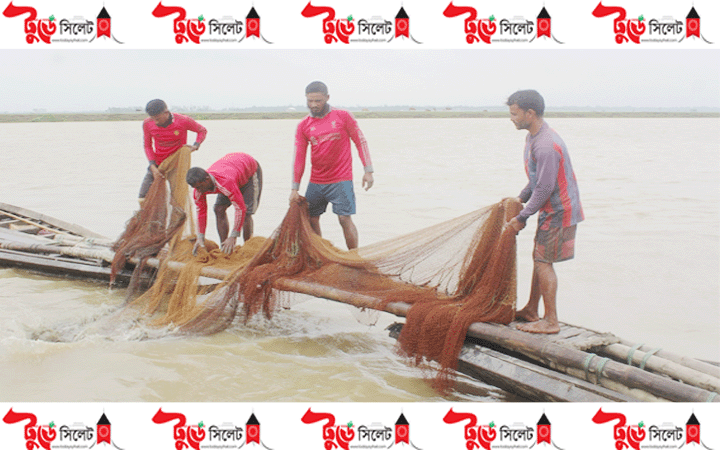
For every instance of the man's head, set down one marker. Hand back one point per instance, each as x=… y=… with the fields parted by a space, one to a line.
x=199 y=179
x=526 y=107
x=158 y=112
x=317 y=96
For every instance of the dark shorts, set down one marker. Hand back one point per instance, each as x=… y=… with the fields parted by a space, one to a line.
x=250 y=191
x=147 y=181
x=341 y=195
x=554 y=244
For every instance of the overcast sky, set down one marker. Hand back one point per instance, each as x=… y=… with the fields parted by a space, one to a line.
x=82 y=80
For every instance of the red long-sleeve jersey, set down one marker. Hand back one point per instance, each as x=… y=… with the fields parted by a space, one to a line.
x=330 y=156
x=229 y=173
x=169 y=139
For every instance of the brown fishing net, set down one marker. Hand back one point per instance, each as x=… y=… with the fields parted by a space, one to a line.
x=453 y=274
x=160 y=218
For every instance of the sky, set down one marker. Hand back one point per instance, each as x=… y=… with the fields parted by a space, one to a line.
x=95 y=80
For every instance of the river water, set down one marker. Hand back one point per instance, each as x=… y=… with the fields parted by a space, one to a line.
x=646 y=266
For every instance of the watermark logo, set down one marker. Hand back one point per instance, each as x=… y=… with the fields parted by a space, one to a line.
x=515 y=435
x=36 y=436
x=666 y=29
x=36 y=30
x=73 y=30
x=666 y=435
x=347 y=30
x=50 y=436
x=491 y=29
x=201 y=436
x=199 y=30
x=351 y=437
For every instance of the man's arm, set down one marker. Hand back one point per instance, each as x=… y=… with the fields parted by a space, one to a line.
x=299 y=156
x=238 y=202
x=358 y=138
x=525 y=194
x=201 y=207
x=149 y=151
x=200 y=130
x=147 y=142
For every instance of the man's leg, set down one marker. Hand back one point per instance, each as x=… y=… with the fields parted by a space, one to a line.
x=221 y=219
x=251 y=192
x=315 y=224
x=529 y=313
x=342 y=197
x=145 y=187
x=547 y=280
x=317 y=204
x=350 y=231
x=248 y=227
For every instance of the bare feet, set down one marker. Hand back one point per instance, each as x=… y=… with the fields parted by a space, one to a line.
x=525 y=315
x=541 y=327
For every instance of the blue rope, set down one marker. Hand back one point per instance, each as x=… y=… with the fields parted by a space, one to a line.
x=600 y=368
x=647 y=356
x=586 y=365
x=632 y=352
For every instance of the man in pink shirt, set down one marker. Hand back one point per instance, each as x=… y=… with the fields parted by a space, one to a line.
x=237 y=179
x=329 y=131
x=165 y=133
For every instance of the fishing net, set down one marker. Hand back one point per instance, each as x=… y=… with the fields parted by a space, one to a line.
x=452 y=274
x=160 y=219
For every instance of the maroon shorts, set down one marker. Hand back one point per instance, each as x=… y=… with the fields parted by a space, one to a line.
x=554 y=244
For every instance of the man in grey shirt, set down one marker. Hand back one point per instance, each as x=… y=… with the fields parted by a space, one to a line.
x=552 y=191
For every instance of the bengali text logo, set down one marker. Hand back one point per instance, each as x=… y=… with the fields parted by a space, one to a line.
x=347 y=30
x=490 y=29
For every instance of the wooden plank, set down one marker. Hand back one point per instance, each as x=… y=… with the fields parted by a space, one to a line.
x=53 y=222
x=24 y=228
x=708 y=367
x=665 y=367
x=60 y=266
x=102 y=253
x=554 y=355
x=525 y=379
x=529 y=380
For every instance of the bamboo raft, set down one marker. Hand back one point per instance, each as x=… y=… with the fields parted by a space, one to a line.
x=577 y=365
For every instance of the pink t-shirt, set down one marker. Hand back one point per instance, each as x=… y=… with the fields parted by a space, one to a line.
x=169 y=139
x=329 y=137
x=229 y=173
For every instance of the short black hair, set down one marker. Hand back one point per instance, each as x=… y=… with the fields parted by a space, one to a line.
x=316 y=86
x=195 y=175
x=155 y=107
x=528 y=99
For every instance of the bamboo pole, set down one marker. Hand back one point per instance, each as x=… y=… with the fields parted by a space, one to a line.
x=104 y=254
x=70 y=239
x=551 y=353
x=567 y=359
x=664 y=366
x=692 y=363
x=619 y=377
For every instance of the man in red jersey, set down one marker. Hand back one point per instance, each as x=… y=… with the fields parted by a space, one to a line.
x=329 y=131
x=237 y=179
x=164 y=134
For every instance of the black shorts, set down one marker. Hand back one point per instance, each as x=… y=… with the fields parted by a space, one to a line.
x=147 y=181
x=250 y=191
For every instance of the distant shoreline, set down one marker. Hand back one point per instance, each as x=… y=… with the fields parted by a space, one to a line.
x=418 y=114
